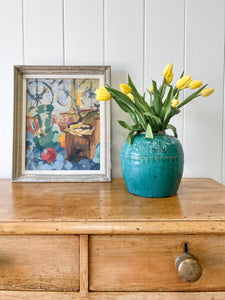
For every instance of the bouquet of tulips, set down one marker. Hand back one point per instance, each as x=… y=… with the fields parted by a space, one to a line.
x=163 y=105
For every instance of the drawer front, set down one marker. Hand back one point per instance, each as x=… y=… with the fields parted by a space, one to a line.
x=39 y=263
x=147 y=263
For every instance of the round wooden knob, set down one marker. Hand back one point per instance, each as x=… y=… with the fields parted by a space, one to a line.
x=188 y=268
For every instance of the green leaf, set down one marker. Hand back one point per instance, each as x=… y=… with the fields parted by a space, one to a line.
x=163 y=91
x=129 y=137
x=173 y=128
x=141 y=99
x=191 y=97
x=134 y=90
x=139 y=105
x=167 y=104
x=133 y=117
x=182 y=74
x=151 y=98
x=125 y=107
x=174 y=111
x=121 y=96
x=176 y=95
x=117 y=95
x=154 y=117
x=157 y=98
x=162 y=85
x=125 y=125
x=149 y=134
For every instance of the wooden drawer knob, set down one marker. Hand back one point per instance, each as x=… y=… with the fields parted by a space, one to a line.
x=188 y=268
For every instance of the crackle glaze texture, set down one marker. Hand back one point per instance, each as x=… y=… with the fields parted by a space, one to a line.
x=152 y=167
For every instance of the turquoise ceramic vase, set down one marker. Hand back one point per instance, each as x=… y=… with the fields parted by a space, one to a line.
x=152 y=167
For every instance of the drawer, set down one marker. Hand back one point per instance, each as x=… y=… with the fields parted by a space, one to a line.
x=39 y=263
x=147 y=262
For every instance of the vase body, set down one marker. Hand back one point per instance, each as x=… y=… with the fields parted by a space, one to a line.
x=152 y=167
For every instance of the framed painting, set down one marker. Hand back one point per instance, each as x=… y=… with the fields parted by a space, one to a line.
x=61 y=133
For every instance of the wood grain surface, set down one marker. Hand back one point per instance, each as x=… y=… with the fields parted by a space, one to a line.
x=48 y=263
x=147 y=263
x=4 y=295
x=108 y=208
x=83 y=265
x=197 y=199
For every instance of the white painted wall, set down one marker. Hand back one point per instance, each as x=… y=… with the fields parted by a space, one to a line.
x=138 y=37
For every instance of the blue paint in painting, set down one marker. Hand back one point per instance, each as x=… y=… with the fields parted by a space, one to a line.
x=52 y=106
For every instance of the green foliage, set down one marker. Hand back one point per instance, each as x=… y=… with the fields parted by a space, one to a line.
x=153 y=117
x=49 y=133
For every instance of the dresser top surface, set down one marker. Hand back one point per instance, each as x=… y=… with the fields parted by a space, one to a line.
x=197 y=199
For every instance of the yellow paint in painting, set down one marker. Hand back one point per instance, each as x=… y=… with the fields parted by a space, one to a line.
x=62 y=140
x=79 y=103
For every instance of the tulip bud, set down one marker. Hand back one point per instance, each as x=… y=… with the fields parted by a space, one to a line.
x=206 y=92
x=125 y=88
x=130 y=96
x=169 y=79
x=168 y=70
x=195 y=84
x=175 y=102
x=102 y=94
x=151 y=89
x=183 y=82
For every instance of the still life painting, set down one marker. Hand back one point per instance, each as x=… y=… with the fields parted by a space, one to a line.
x=65 y=127
x=62 y=125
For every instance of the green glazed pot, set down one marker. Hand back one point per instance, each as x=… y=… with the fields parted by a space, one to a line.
x=152 y=167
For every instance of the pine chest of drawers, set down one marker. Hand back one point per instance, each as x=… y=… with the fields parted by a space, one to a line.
x=68 y=241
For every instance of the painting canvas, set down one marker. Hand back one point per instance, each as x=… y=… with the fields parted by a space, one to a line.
x=62 y=124
x=66 y=129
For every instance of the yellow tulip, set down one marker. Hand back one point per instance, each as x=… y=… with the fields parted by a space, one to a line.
x=102 y=94
x=175 y=102
x=151 y=89
x=169 y=79
x=206 y=92
x=130 y=96
x=195 y=84
x=183 y=82
x=168 y=70
x=125 y=88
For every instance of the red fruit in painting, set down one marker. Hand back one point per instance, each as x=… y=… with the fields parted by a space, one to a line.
x=49 y=155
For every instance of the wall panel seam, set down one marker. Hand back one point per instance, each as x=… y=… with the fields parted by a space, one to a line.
x=144 y=44
x=223 y=111
x=63 y=31
x=184 y=68
x=23 y=38
x=103 y=31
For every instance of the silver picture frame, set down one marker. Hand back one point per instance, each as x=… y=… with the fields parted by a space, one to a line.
x=34 y=157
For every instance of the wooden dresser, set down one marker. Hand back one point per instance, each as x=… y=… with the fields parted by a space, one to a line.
x=68 y=241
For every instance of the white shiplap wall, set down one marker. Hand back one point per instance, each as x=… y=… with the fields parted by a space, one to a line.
x=138 y=37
